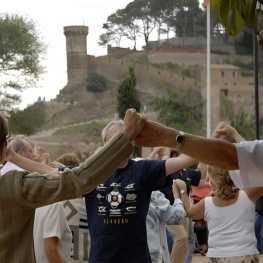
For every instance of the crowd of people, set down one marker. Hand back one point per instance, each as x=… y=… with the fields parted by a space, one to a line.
x=112 y=207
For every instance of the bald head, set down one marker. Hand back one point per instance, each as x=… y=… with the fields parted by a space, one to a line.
x=22 y=146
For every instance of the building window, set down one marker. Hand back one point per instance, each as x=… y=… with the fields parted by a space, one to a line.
x=222 y=74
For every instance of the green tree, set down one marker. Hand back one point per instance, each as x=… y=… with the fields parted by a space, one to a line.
x=29 y=120
x=114 y=29
x=21 y=52
x=235 y=13
x=181 y=110
x=240 y=120
x=142 y=12
x=127 y=95
x=96 y=82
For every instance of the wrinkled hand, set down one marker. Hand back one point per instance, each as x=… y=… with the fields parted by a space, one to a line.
x=152 y=135
x=133 y=123
x=219 y=132
x=223 y=131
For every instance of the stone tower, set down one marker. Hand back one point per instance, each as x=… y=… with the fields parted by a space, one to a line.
x=76 y=46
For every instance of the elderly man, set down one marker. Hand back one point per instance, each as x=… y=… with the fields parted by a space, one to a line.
x=117 y=208
x=22 y=192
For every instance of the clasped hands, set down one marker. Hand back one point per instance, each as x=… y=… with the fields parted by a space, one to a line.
x=142 y=132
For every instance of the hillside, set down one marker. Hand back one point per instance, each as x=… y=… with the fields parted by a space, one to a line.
x=74 y=105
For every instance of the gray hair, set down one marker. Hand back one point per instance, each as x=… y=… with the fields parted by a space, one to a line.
x=18 y=144
x=107 y=127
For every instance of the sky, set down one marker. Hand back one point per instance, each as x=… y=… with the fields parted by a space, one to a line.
x=51 y=17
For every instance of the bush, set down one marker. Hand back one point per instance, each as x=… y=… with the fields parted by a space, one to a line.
x=28 y=121
x=96 y=82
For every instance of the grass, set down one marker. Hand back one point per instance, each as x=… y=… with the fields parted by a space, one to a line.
x=93 y=128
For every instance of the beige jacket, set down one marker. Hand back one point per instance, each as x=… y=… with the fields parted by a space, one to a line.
x=22 y=192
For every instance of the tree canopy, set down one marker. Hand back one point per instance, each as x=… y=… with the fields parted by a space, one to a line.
x=235 y=14
x=22 y=51
x=127 y=95
x=180 y=109
x=141 y=17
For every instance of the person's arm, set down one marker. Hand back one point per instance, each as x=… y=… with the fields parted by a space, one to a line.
x=51 y=249
x=183 y=161
x=218 y=153
x=254 y=193
x=224 y=131
x=195 y=211
x=203 y=170
x=169 y=214
x=156 y=151
x=39 y=190
x=29 y=165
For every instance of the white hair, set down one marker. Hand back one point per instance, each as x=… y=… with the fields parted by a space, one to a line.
x=107 y=127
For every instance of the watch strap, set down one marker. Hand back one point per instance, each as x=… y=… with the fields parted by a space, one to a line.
x=179 y=140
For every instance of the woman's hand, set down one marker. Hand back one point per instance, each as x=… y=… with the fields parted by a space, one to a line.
x=175 y=190
x=181 y=184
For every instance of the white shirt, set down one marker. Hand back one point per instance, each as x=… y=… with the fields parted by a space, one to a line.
x=10 y=167
x=250 y=160
x=231 y=228
x=51 y=221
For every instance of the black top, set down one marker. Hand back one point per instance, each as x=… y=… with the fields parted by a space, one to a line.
x=259 y=205
x=189 y=176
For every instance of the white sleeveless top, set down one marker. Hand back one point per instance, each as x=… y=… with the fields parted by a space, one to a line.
x=231 y=228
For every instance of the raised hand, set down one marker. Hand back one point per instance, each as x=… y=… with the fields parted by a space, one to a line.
x=153 y=135
x=133 y=123
x=176 y=193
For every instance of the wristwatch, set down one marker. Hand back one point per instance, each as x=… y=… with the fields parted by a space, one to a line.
x=182 y=192
x=179 y=140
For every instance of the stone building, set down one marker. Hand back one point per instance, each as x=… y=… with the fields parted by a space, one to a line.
x=226 y=80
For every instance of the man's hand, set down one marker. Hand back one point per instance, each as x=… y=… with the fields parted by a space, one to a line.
x=133 y=124
x=154 y=134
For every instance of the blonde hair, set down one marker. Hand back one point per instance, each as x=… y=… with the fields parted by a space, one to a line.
x=68 y=159
x=225 y=187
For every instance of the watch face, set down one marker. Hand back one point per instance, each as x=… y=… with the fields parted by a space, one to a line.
x=180 y=138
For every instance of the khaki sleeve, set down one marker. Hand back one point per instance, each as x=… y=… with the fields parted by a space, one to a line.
x=36 y=190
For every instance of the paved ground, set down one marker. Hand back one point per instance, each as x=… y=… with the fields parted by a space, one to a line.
x=197 y=258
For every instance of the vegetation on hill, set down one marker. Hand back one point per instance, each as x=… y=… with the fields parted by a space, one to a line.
x=96 y=82
x=181 y=110
x=127 y=95
x=29 y=120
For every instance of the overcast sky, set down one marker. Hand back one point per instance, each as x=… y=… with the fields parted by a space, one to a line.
x=51 y=16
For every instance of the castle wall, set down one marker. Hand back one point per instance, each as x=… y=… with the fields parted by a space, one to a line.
x=227 y=82
x=149 y=79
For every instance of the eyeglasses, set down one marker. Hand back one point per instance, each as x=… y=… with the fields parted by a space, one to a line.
x=5 y=139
